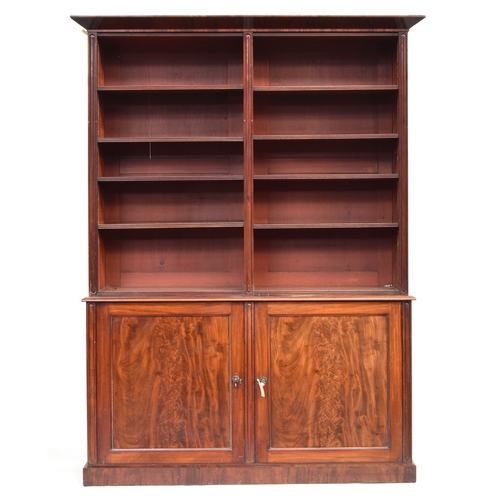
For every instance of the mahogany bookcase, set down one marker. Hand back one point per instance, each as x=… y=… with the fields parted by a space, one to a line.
x=248 y=310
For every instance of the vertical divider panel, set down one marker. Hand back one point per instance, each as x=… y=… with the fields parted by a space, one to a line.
x=250 y=382
x=91 y=383
x=407 y=383
x=248 y=158
x=93 y=160
x=402 y=123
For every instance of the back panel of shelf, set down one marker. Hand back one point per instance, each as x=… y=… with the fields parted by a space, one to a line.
x=171 y=159
x=312 y=258
x=308 y=157
x=324 y=60
x=171 y=60
x=324 y=113
x=171 y=115
x=183 y=201
x=324 y=201
x=183 y=258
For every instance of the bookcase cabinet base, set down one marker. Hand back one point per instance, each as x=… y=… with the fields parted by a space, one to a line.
x=96 y=475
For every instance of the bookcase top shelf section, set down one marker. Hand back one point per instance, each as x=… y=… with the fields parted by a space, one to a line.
x=250 y=23
x=247 y=155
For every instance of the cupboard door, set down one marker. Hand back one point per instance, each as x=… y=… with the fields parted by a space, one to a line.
x=164 y=383
x=334 y=382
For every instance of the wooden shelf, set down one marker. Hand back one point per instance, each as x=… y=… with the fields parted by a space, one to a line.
x=321 y=176
x=111 y=140
x=167 y=88
x=172 y=178
x=324 y=137
x=325 y=88
x=169 y=225
x=333 y=225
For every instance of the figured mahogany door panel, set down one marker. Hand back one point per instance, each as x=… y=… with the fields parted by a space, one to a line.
x=333 y=390
x=165 y=390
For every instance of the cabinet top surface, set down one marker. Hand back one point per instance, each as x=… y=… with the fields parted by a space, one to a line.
x=251 y=23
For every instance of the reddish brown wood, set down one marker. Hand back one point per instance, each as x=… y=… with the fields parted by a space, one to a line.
x=407 y=384
x=95 y=249
x=334 y=382
x=151 y=160
x=250 y=381
x=350 y=157
x=165 y=387
x=323 y=113
x=237 y=23
x=176 y=61
x=326 y=258
x=248 y=217
x=174 y=115
x=323 y=202
x=195 y=258
x=172 y=202
x=147 y=295
x=91 y=383
x=248 y=172
x=402 y=194
x=316 y=61
x=256 y=474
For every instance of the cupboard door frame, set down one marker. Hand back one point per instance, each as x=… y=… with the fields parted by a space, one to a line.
x=110 y=362
x=391 y=451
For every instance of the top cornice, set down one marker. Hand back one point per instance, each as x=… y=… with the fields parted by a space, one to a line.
x=247 y=23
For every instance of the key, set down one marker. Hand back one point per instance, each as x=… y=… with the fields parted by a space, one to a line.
x=262 y=382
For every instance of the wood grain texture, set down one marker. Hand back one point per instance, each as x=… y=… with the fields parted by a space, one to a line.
x=171 y=61
x=324 y=258
x=255 y=474
x=191 y=258
x=170 y=159
x=320 y=60
x=329 y=381
x=350 y=156
x=91 y=383
x=215 y=24
x=165 y=383
x=172 y=202
x=248 y=216
x=323 y=114
x=171 y=115
x=171 y=382
x=334 y=382
x=299 y=202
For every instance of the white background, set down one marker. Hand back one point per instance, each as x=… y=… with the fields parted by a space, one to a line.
x=454 y=209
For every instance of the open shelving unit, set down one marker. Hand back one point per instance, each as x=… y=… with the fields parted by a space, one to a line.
x=304 y=152
x=326 y=170
x=170 y=162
